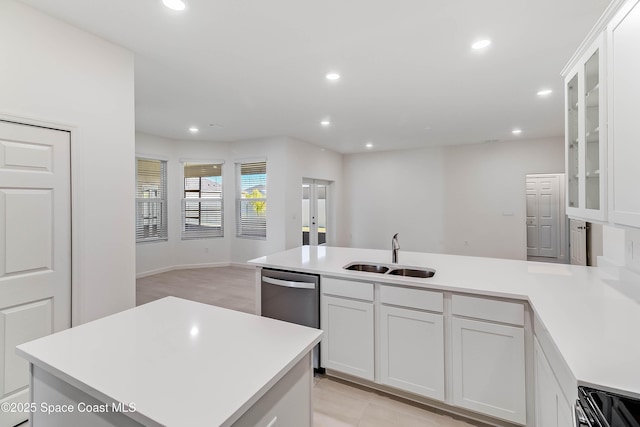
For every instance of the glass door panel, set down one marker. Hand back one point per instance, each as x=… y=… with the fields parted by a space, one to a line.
x=573 y=114
x=592 y=132
x=321 y=213
x=305 y=213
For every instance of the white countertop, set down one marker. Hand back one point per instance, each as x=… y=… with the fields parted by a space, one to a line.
x=181 y=362
x=591 y=318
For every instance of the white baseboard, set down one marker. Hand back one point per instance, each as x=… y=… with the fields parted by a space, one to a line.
x=152 y=272
x=191 y=266
x=242 y=265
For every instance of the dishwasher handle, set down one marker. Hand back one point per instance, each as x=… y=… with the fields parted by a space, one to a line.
x=288 y=283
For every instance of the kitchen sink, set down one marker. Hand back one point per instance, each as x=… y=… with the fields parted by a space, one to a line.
x=392 y=269
x=369 y=268
x=413 y=272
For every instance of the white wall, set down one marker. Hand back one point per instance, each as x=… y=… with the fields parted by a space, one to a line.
x=485 y=194
x=465 y=199
x=52 y=72
x=309 y=161
x=155 y=257
x=395 y=192
x=288 y=161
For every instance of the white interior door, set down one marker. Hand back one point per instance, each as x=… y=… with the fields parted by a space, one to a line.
x=578 y=242
x=35 y=248
x=543 y=216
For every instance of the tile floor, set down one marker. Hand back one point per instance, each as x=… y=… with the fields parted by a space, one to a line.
x=336 y=403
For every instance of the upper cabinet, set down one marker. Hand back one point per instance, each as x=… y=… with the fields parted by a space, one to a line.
x=586 y=144
x=602 y=90
x=623 y=41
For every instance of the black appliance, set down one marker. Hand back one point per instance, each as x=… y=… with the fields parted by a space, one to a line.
x=598 y=408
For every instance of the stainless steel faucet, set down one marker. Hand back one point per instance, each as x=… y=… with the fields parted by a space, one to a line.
x=394 y=249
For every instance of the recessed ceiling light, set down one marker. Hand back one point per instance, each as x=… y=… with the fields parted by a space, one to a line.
x=174 y=4
x=368 y=145
x=545 y=92
x=193 y=129
x=516 y=131
x=333 y=76
x=481 y=44
x=325 y=123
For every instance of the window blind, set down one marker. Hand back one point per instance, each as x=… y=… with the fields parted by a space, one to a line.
x=251 y=201
x=151 y=200
x=202 y=202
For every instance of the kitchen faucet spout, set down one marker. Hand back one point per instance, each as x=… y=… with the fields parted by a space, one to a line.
x=395 y=246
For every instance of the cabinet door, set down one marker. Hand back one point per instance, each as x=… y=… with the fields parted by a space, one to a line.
x=552 y=409
x=624 y=132
x=412 y=351
x=347 y=345
x=489 y=368
x=585 y=132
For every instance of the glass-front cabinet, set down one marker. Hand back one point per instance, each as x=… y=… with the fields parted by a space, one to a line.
x=585 y=135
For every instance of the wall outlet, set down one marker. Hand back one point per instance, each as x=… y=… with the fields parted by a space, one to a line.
x=206 y=250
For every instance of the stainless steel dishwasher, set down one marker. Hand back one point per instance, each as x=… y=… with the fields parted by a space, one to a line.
x=292 y=297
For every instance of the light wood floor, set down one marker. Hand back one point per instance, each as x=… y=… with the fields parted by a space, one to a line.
x=335 y=403
x=228 y=287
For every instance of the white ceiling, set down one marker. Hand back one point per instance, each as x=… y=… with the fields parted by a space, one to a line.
x=409 y=76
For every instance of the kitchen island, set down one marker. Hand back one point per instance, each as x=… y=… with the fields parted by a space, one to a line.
x=582 y=318
x=173 y=362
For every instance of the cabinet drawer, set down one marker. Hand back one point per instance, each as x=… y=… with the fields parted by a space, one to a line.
x=488 y=309
x=347 y=288
x=413 y=298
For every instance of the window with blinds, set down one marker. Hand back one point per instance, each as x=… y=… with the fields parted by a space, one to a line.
x=151 y=200
x=251 y=202
x=202 y=204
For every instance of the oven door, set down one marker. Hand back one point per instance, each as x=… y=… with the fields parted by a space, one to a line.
x=581 y=417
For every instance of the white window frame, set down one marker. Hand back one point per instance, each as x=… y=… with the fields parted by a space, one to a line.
x=152 y=211
x=244 y=227
x=201 y=233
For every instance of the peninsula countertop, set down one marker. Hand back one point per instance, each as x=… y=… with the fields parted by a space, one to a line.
x=180 y=362
x=591 y=317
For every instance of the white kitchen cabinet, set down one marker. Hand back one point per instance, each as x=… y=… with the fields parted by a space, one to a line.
x=586 y=135
x=348 y=343
x=552 y=407
x=488 y=368
x=412 y=351
x=623 y=39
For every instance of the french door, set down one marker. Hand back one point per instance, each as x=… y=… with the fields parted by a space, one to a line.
x=314 y=211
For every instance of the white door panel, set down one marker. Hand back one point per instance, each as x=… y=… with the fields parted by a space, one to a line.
x=532 y=218
x=489 y=368
x=18 y=325
x=543 y=216
x=348 y=345
x=412 y=351
x=578 y=242
x=27 y=156
x=28 y=224
x=35 y=248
